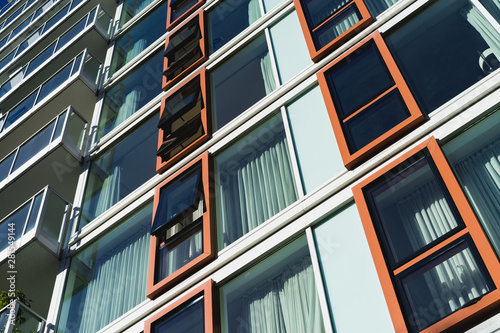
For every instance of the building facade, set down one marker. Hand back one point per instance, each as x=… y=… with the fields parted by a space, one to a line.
x=236 y=166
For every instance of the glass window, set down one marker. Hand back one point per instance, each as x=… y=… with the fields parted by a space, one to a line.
x=69 y=35
x=20 y=110
x=29 y=41
x=345 y=260
x=444 y=50
x=228 y=19
x=179 y=7
x=435 y=251
x=7 y=59
x=108 y=278
x=306 y=113
x=119 y=171
x=185 y=50
x=138 y=38
x=290 y=47
x=378 y=6
x=194 y=312
x=40 y=59
x=370 y=112
x=475 y=158
x=493 y=6
x=131 y=93
x=253 y=181
x=183 y=121
x=6 y=165
x=19 y=28
x=277 y=295
x=181 y=230
x=131 y=8
x=55 y=19
x=241 y=81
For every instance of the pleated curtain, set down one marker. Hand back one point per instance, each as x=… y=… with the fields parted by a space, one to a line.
x=483 y=27
x=381 y=5
x=479 y=174
x=258 y=187
x=428 y=216
x=286 y=303
x=267 y=73
x=118 y=283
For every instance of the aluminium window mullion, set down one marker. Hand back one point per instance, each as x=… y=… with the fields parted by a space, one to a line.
x=13 y=161
x=293 y=153
x=272 y=57
x=320 y=288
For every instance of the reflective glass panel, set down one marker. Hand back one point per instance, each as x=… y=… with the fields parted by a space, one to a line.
x=189 y=318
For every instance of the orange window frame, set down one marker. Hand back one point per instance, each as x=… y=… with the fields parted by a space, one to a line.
x=207 y=289
x=172 y=23
x=154 y=289
x=167 y=84
x=161 y=166
x=472 y=228
x=416 y=116
x=317 y=54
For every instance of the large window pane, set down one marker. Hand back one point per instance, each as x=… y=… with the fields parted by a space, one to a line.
x=228 y=19
x=475 y=158
x=131 y=8
x=138 y=38
x=241 y=81
x=316 y=167
x=291 y=53
x=278 y=295
x=350 y=276
x=378 y=6
x=444 y=50
x=254 y=181
x=130 y=94
x=412 y=208
x=120 y=171
x=108 y=278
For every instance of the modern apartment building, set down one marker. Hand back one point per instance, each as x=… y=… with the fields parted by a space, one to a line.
x=250 y=165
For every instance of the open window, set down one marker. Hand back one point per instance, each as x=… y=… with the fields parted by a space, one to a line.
x=184 y=51
x=328 y=24
x=184 y=122
x=181 y=232
x=368 y=101
x=178 y=10
x=435 y=264
x=193 y=312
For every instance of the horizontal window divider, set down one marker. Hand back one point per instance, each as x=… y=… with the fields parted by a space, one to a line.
x=125 y=127
x=338 y=12
x=366 y=106
x=429 y=252
x=158 y=45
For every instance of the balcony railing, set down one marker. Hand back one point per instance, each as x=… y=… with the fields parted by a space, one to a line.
x=16 y=14
x=43 y=217
x=68 y=127
x=102 y=21
x=84 y=65
x=17 y=317
x=34 y=37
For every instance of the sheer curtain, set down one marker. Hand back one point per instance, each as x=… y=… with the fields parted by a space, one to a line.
x=118 y=282
x=428 y=215
x=286 y=303
x=138 y=47
x=479 y=174
x=110 y=190
x=267 y=73
x=253 y=11
x=380 y=5
x=257 y=187
x=129 y=106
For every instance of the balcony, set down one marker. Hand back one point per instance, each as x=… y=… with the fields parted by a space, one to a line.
x=26 y=320
x=38 y=226
x=75 y=84
x=50 y=157
x=24 y=74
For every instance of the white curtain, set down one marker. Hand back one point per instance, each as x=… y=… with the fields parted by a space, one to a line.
x=253 y=11
x=380 y=5
x=267 y=73
x=479 y=174
x=257 y=187
x=110 y=190
x=129 y=106
x=428 y=216
x=483 y=27
x=118 y=283
x=286 y=303
x=493 y=6
x=339 y=29
x=138 y=47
